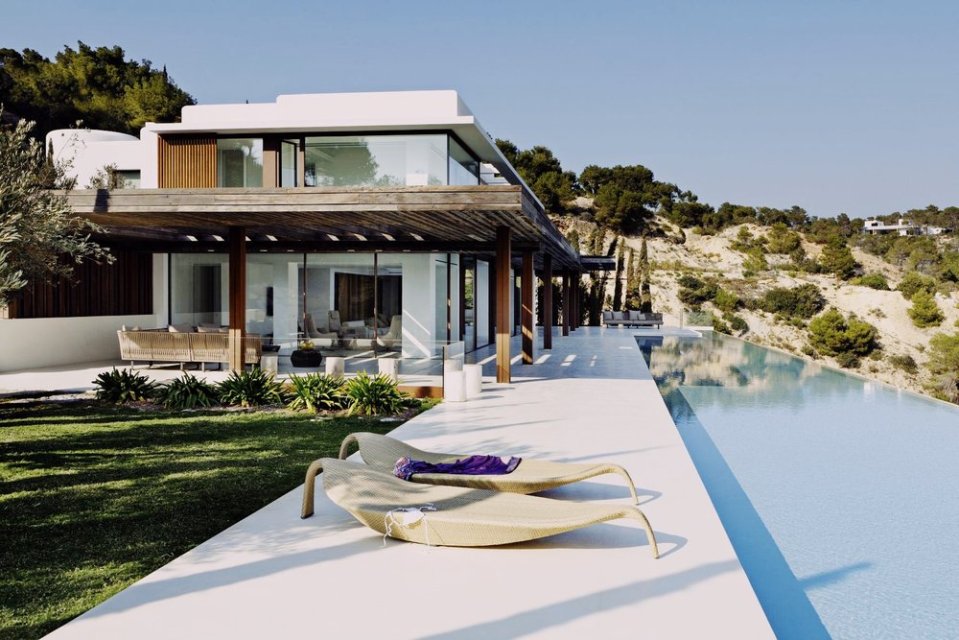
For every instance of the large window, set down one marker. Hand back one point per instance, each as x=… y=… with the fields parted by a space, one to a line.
x=239 y=162
x=376 y=161
x=464 y=168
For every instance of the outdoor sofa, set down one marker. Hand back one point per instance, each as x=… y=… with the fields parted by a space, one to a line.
x=632 y=319
x=184 y=345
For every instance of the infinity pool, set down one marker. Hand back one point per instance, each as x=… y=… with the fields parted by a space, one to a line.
x=840 y=496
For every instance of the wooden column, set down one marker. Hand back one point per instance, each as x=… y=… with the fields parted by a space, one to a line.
x=547 y=301
x=462 y=309
x=237 y=296
x=527 y=318
x=491 y=306
x=504 y=315
x=567 y=303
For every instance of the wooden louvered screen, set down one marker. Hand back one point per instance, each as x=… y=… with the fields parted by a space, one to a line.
x=187 y=162
x=122 y=288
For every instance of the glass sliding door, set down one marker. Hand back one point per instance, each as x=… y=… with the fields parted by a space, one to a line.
x=239 y=162
x=288 y=163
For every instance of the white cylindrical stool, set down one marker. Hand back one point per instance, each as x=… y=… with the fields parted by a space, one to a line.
x=473 y=374
x=454 y=386
x=335 y=366
x=390 y=367
x=269 y=362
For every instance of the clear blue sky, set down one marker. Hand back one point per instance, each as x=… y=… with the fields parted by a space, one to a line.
x=843 y=105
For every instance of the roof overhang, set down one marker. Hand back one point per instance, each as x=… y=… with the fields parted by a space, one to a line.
x=435 y=218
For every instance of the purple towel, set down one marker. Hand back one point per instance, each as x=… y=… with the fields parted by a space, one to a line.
x=472 y=465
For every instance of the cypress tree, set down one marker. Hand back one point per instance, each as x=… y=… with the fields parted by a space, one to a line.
x=618 y=284
x=645 y=294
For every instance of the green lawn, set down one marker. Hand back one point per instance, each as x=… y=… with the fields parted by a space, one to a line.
x=94 y=498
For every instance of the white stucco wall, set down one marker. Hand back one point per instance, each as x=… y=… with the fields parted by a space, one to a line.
x=86 y=151
x=50 y=342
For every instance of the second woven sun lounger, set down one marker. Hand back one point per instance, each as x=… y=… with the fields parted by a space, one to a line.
x=531 y=476
x=453 y=516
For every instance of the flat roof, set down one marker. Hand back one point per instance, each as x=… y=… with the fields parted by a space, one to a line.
x=362 y=112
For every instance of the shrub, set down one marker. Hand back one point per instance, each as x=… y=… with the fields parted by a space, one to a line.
x=803 y=301
x=873 y=281
x=845 y=340
x=373 y=395
x=250 y=389
x=316 y=391
x=944 y=353
x=726 y=300
x=736 y=323
x=124 y=385
x=924 y=310
x=188 y=392
x=905 y=362
x=694 y=292
x=837 y=258
x=944 y=365
x=913 y=282
x=755 y=260
x=782 y=240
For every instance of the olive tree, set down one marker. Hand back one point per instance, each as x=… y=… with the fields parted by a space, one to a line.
x=41 y=238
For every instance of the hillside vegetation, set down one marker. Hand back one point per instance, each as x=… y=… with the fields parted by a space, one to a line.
x=821 y=288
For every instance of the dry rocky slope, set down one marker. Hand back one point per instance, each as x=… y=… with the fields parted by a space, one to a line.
x=712 y=256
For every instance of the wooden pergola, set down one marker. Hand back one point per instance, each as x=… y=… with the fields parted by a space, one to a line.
x=498 y=221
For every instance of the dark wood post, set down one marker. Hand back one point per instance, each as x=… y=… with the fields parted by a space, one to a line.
x=237 y=294
x=547 y=301
x=577 y=309
x=504 y=315
x=567 y=303
x=491 y=306
x=527 y=317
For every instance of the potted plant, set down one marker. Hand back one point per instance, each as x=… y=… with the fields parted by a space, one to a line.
x=306 y=355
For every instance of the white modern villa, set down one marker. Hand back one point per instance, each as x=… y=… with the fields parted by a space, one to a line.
x=383 y=221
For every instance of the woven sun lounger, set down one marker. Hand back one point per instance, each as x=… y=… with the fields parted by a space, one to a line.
x=531 y=476
x=453 y=516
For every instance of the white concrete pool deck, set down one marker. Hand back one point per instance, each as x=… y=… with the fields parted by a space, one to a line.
x=273 y=575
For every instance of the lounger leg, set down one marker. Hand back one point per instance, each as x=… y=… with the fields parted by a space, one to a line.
x=615 y=468
x=309 y=487
x=345 y=447
x=650 y=536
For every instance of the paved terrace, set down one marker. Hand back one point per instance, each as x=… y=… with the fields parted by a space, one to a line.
x=591 y=398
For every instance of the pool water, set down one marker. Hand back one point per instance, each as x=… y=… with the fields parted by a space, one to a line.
x=840 y=495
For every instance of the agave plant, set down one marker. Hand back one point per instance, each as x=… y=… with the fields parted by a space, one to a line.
x=373 y=395
x=188 y=392
x=317 y=391
x=250 y=389
x=124 y=385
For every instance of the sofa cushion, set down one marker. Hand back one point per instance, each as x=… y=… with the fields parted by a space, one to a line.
x=180 y=328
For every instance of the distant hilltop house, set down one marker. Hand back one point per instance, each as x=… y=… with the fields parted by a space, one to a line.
x=903 y=227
